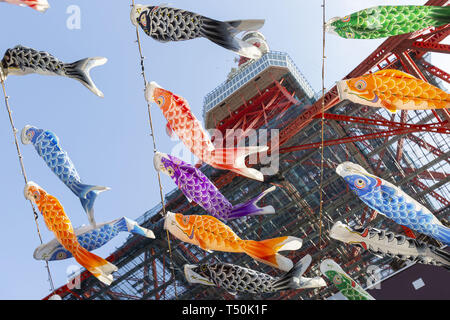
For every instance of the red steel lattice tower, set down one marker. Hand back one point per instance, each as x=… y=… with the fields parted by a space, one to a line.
x=411 y=149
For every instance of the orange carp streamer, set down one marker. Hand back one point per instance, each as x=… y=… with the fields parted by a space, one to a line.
x=210 y=233
x=57 y=221
x=182 y=122
x=393 y=90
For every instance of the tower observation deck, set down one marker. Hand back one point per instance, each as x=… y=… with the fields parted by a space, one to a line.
x=410 y=149
x=249 y=81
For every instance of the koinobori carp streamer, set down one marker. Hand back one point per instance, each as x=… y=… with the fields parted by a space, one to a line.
x=182 y=122
x=166 y=24
x=57 y=221
x=392 y=202
x=48 y=147
x=393 y=90
x=91 y=238
x=236 y=279
x=210 y=233
x=39 y=5
x=386 y=243
x=386 y=21
x=199 y=189
x=21 y=60
x=346 y=285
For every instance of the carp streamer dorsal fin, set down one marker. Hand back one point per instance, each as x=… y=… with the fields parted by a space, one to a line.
x=394 y=73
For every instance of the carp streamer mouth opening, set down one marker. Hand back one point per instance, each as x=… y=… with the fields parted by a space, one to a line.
x=135 y=11
x=27 y=192
x=157 y=162
x=24 y=136
x=149 y=91
x=350 y=168
x=194 y=277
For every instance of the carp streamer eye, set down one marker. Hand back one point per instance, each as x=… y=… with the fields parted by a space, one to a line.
x=345 y=19
x=337 y=279
x=349 y=35
x=160 y=100
x=30 y=134
x=360 y=85
x=36 y=195
x=185 y=220
x=180 y=219
x=170 y=171
x=143 y=20
x=360 y=183
x=61 y=255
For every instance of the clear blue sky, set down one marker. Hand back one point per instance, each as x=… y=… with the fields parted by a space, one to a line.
x=108 y=139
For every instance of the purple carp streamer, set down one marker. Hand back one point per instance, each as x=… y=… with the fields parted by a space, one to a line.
x=199 y=189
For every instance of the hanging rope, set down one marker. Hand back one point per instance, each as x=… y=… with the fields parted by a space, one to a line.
x=323 y=129
x=24 y=174
x=138 y=40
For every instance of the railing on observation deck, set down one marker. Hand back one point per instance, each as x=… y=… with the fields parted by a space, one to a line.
x=251 y=71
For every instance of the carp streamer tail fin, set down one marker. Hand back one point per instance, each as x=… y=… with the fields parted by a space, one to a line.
x=291 y=280
x=233 y=159
x=80 y=70
x=442 y=234
x=99 y=267
x=222 y=34
x=87 y=195
x=128 y=225
x=444 y=255
x=250 y=208
x=245 y=25
x=266 y=251
x=39 y=5
x=441 y=15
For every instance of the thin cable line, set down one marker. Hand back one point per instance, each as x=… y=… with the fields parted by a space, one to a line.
x=322 y=127
x=24 y=174
x=155 y=150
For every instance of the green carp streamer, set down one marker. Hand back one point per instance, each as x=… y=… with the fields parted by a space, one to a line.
x=386 y=21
